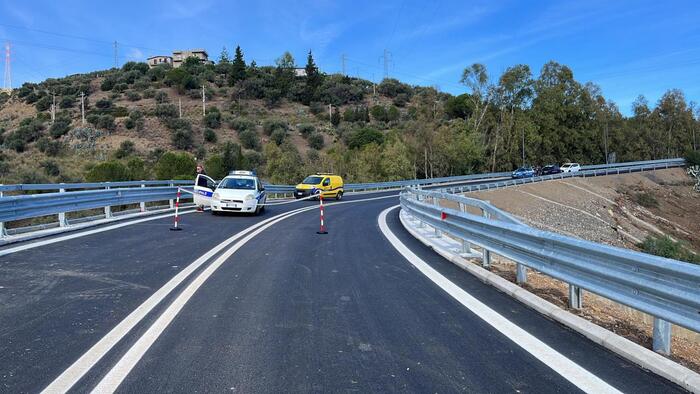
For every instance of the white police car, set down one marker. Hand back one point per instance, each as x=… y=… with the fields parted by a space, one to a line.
x=240 y=191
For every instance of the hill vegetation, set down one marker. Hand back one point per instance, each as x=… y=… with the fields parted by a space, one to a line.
x=143 y=123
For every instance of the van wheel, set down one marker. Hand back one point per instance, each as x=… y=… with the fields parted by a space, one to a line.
x=339 y=196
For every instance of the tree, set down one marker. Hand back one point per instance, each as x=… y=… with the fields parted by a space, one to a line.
x=335 y=116
x=364 y=136
x=108 y=171
x=223 y=57
x=175 y=165
x=233 y=157
x=238 y=70
x=313 y=80
x=476 y=78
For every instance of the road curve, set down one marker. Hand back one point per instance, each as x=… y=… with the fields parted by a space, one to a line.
x=289 y=310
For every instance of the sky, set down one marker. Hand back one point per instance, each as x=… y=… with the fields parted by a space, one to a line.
x=628 y=48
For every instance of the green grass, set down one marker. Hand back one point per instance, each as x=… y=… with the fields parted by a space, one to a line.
x=646 y=200
x=666 y=247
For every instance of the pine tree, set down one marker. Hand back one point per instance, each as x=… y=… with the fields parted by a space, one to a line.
x=223 y=57
x=313 y=80
x=238 y=67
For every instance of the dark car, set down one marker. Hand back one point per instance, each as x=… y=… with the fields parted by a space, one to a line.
x=550 y=169
x=523 y=172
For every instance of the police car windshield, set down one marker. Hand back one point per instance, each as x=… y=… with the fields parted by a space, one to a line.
x=237 y=183
x=312 y=180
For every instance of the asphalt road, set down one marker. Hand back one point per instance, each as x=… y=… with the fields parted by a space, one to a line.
x=288 y=310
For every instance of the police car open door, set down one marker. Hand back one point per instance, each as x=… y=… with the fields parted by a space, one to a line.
x=203 y=190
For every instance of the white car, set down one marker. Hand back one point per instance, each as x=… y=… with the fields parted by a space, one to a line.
x=570 y=167
x=240 y=191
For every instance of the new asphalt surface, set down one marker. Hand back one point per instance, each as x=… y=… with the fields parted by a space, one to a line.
x=290 y=310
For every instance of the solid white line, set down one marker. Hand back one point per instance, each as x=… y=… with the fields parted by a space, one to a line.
x=88 y=360
x=569 y=370
x=79 y=234
x=81 y=366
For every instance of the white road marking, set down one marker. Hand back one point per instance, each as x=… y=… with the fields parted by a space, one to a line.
x=87 y=361
x=79 y=234
x=569 y=370
x=81 y=366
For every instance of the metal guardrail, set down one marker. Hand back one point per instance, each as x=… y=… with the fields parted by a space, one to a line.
x=667 y=289
x=72 y=197
x=587 y=171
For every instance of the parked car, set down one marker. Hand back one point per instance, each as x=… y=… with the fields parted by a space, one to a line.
x=570 y=167
x=550 y=169
x=240 y=191
x=523 y=172
x=328 y=184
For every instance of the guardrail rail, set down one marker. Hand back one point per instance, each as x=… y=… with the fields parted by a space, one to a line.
x=667 y=289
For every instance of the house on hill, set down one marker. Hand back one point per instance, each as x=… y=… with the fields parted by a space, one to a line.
x=158 y=60
x=180 y=56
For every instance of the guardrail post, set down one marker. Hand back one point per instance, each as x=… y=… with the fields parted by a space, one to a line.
x=486 y=258
x=466 y=245
x=171 y=201
x=108 y=209
x=143 y=203
x=520 y=273
x=3 y=233
x=437 y=205
x=662 y=336
x=575 y=297
x=62 y=215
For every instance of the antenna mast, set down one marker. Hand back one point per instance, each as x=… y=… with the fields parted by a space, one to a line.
x=7 y=85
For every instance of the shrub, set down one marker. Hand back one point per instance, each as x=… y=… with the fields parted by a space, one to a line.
x=104 y=103
x=316 y=141
x=149 y=93
x=306 y=129
x=66 y=102
x=161 y=97
x=215 y=167
x=135 y=114
x=646 y=200
x=210 y=135
x=666 y=247
x=107 y=84
x=108 y=171
x=178 y=124
x=249 y=139
x=50 y=168
x=136 y=169
x=92 y=119
x=59 y=128
x=49 y=147
x=120 y=87
x=119 y=112
x=106 y=122
x=401 y=99
x=241 y=124
x=43 y=103
x=392 y=114
x=129 y=123
x=379 y=113
x=270 y=125
x=213 y=119
x=182 y=139
x=278 y=136
x=364 y=137
x=133 y=96
x=165 y=111
x=317 y=108
x=175 y=165
x=692 y=158
x=126 y=148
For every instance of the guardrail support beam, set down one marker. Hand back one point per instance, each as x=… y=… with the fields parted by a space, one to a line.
x=62 y=222
x=143 y=203
x=486 y=258
x=438 y=234
x=662 y=336
x=575 y=297
x=520 y=274
x=108 y=209
x=3 y=233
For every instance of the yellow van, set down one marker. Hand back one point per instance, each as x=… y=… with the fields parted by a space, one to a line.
x=328 y=184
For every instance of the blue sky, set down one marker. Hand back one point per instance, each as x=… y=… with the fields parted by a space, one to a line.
x=626 y=47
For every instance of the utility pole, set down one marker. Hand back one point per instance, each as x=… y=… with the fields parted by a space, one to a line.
x=53 y=109
x=82 y=106
x=342 y=61
x=179 y=104
x=204 y=102
x=7 y=84
x=116 y=62
x=386 y=59
x=330 y=113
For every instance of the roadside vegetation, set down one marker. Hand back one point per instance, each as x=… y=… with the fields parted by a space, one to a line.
x=283 y=125
x=667 y=247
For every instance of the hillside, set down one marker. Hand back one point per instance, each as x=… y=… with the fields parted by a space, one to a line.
x=270 y=119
